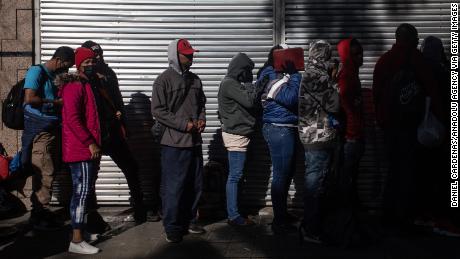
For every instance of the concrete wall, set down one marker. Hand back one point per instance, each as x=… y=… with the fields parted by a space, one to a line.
x=16 y=55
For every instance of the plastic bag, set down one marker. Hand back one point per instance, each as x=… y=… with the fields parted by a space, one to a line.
x=431 y=132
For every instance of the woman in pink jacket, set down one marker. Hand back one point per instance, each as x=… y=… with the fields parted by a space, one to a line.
x=81 y=139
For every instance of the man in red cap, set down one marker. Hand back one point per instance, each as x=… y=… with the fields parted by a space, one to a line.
x=178 y=105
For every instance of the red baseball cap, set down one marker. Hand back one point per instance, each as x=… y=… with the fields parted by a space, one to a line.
x=184 y=47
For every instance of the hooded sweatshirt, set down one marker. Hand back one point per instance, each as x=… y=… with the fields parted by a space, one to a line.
x=237 y=102
x=318 y=100
x=350 y=93
x=168 y=91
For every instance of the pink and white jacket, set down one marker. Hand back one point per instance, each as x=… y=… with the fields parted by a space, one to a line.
x=80 y=119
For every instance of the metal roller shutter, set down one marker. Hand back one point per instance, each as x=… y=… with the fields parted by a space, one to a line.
x=135 y=36
x=374 y=24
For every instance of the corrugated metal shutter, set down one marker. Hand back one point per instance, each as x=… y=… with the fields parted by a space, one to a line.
x=135 y=36
x=374 y=24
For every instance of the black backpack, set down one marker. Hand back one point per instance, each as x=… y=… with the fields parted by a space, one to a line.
x=12 y=106
x=407 y=97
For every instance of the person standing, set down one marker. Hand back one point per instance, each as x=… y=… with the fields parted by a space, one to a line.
x=81 y=141
x=115 y=144
x=280 y=132
x=351 y=101
x=237 y=99
x=178 y=103
x=41 y=135
x=402 y=79
x=318 y=109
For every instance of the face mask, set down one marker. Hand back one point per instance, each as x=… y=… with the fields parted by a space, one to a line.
x=99 y=65
x=89 y=71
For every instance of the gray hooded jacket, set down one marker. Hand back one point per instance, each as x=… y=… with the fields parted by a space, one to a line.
x=168 y=91
x=236 y=100
x=318 y=98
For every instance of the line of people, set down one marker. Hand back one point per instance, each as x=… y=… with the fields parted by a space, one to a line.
x=321 y=108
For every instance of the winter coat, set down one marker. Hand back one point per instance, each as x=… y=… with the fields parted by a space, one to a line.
x=237 y=101
x=284 y=108
x=318 y=100
x=168 y=90
x=351 y=99
x=80 y=119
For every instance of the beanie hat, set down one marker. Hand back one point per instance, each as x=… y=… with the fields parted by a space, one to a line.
x=81 y=54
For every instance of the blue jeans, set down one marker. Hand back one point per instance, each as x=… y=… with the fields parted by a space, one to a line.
x=236 y=161
x=282 y=143
x=317 y=164
x=84 y=175
x=181 y=186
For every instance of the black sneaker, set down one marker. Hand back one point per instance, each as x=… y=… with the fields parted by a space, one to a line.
x=173 y=237
x=140 y=215
x=196 y=229
x=305 y=235
x=45 y=220
x=96 y=224
x=279 y=229
x=153 y=216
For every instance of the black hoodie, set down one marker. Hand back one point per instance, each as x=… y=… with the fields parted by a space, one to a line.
x=237 y=102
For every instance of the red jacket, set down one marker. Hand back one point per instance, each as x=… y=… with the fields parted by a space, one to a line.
x=350 y=93
x=385 y=69
x=80 y=120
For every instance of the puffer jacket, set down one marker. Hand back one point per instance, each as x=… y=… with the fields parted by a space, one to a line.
x=284 y=108
x=318 y=100
x=80 y=119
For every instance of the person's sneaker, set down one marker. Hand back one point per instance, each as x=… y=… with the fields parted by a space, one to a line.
x=83 y=248
x=304 y=235
x=90 y=237
x=140 y=215
x=153 y=216
x=173 y=237
x=240 y=221
x=291 y=219
x=196 y=229
x=447 y=229
x=279 y=229
x=96 y=224
x=44 y=220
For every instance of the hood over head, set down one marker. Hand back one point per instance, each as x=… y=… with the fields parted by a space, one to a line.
x=240 y=68
x=173 y=57
x=319 y=51
x=433 y=50
x=343 y=49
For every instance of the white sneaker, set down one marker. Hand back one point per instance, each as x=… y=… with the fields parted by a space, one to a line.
x=83 y=248
x=90 y=237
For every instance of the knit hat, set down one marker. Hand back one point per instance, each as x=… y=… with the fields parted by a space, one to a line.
x=81 y=54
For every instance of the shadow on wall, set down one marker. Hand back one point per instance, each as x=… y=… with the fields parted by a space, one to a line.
x=372 y=24
x=146 y=152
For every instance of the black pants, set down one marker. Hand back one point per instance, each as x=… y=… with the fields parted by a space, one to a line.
x=403 y=153
x=119 y=151
x=181 y=186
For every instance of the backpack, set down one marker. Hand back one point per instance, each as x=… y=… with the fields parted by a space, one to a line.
x=407 y=97
x=12 y=106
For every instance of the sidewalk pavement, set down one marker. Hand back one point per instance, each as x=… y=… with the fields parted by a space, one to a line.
x=220 y=241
